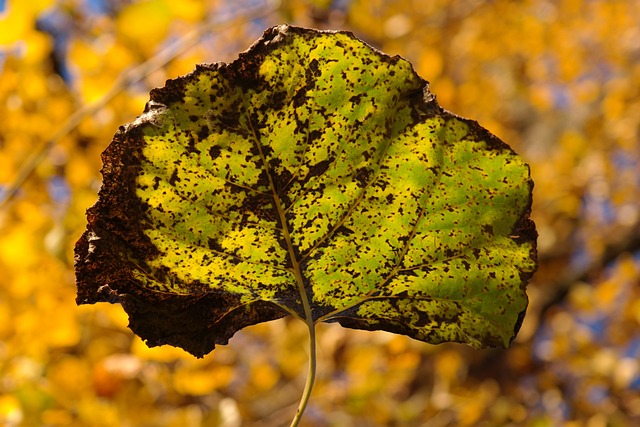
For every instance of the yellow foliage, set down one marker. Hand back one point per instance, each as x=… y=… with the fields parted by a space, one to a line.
x=10 y=410
x=430 y=63
x=15 y=249
x=70 y=377
x=18 y=19
x=198 y=382
x=37 y=48
x=264 y=376
x=448 y=365
x=190 y=10
x=163 y=353
x=156 y=15
x=56 y=417
x=87 y=54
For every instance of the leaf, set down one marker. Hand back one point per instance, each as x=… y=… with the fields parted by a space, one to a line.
x=314 y=176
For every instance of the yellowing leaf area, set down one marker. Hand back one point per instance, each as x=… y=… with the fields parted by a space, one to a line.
x=558 y=81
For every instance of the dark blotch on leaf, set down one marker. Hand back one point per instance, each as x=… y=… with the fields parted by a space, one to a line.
x=214 y=152
x=191 y=147
x=174 y=178
x=319 y=168
x=203 y=133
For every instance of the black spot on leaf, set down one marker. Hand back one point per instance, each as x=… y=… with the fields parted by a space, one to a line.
x=174 y=178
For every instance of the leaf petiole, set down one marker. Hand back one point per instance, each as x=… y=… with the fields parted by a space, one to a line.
x=311 y=374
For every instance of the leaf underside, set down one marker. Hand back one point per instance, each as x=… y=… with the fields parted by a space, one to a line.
x=315 y=168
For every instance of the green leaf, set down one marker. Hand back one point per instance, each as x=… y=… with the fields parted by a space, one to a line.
x=314 y=176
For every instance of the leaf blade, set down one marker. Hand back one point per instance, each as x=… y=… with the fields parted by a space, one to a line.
x=337 y=190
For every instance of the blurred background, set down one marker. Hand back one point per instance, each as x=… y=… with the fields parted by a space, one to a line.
x=557 y=80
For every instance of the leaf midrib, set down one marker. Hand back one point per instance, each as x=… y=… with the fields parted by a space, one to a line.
x=295 y=266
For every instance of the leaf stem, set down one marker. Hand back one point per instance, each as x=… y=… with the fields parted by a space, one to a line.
x=311 y=375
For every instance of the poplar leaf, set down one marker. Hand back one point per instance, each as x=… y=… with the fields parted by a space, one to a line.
x=312 y=170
